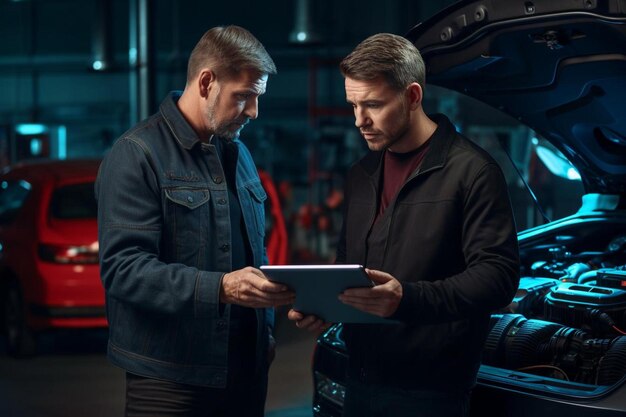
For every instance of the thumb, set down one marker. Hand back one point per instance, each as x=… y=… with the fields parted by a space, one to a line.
x=378 y=277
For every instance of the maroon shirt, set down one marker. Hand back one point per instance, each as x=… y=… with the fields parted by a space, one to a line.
x=397 y=169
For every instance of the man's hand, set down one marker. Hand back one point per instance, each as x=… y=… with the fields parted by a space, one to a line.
x=310 y=323
x=381 y=300
x=248 y=287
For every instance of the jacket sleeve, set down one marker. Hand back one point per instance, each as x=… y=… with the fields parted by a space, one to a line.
x=129 y=232
x=490 y=250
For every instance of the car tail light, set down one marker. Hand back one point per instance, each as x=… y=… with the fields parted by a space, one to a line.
x=69 y=254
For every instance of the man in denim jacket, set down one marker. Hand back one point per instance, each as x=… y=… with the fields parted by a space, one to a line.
x=181 y=218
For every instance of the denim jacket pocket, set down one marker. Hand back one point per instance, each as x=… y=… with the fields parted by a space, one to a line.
x=189 y=197
x=187 y=220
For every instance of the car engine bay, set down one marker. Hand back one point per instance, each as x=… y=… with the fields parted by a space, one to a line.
x=568 y=318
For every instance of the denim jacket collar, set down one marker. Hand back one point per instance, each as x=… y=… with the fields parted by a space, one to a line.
x=181 y=129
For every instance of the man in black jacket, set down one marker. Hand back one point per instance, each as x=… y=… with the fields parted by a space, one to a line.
x=427 y=212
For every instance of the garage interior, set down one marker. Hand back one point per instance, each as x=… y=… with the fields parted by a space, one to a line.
x=76 y=74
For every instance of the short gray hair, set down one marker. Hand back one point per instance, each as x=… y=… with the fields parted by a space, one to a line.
x=229 y=50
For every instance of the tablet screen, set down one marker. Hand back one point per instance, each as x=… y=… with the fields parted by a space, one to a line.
x=317 y=288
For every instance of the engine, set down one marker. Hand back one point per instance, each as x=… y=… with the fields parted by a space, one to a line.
x=567 y=320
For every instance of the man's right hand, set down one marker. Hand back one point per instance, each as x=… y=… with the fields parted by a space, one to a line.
x=310 y=323
x=248 y=287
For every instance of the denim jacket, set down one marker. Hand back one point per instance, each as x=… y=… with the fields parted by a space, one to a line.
x=164 y=234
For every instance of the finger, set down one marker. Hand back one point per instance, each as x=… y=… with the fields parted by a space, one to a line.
x=273 y=299
x=257 y=278
x=311 y=323
x=362 y=295
x=252 y=282
x=252 y=296
x=358 y=292
x=306 y=321
x=257 y=272
x=266 y=285
x=378 y=277
x=294 y=315
x=361 y=302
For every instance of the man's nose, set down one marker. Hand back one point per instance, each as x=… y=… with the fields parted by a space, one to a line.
x=361 y=118
x=252 y=108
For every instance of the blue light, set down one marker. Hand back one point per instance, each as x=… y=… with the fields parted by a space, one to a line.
x=573 y=174
x=97 y=65
x=25 y=185
x=30 y=129
x=62 y=142
x=301 y=36
x=132 y=56
x=556 y=163
x=36 y=145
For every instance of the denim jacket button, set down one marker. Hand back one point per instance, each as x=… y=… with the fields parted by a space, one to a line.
x=225 y=247
x=221 y=201
x=221 y=325
x=217 y=180
x=190 y=199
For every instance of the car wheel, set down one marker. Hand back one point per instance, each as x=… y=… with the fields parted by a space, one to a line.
x=20 y=339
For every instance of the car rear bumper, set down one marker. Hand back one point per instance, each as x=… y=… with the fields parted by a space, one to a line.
x=43 y=316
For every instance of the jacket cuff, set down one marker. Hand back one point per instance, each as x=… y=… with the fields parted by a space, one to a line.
x=409 y=304
x=208 y=287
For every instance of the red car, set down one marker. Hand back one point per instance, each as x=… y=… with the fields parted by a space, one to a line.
x=49 y=273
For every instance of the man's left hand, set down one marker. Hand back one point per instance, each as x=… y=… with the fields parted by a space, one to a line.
x=381 y=300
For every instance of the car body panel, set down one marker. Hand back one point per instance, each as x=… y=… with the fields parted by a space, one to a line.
x=55 y=294
x=574 y=98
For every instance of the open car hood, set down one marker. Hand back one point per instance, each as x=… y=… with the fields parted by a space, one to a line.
x=558 y=66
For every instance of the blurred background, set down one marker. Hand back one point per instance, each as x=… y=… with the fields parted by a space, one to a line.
x=75 y=74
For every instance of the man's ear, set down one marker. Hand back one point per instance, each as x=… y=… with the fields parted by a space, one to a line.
x=414 y=95
x=206 y=80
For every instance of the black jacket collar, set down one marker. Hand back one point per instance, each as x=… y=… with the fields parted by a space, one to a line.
x=440 y=143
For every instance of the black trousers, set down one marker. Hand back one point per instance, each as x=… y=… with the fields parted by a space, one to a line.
x=148 y=397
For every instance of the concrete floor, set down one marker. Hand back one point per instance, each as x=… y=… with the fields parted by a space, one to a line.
x=70 y=377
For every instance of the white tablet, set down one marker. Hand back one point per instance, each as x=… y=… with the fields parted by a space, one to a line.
x=317 y=288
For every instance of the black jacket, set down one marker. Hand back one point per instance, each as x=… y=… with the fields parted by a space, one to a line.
x=449 y=237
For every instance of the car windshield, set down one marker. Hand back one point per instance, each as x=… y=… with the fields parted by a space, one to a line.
x=524 y=156
x=76 y=201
